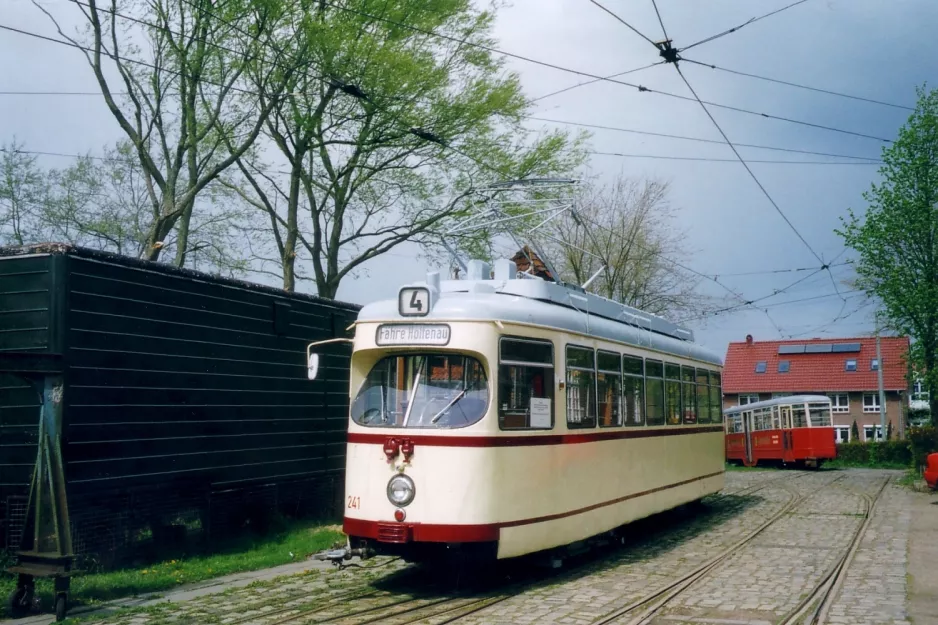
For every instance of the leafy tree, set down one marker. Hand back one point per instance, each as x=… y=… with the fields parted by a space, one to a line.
x=385 y=127
x=22 y=192
x=897 y=238
x=185 y=101
x=854 y=432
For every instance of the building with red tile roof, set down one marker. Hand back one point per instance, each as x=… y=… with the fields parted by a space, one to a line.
x=844 y=369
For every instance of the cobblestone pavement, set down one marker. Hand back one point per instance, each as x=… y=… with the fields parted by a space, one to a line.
x=760 y=583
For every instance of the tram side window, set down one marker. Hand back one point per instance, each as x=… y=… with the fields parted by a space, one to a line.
x=716 y=398
x=633 y=390
x=689 y=389
x=762 y=419
x=734 y=423
x=799 y=419
x=654 y=392
x=672 y=373
x=609 y=385
x=820 y=415
x=703 y=397
x=525 y=384
x=581 y=387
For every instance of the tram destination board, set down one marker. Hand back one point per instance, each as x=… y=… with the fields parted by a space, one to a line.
x=413 y=334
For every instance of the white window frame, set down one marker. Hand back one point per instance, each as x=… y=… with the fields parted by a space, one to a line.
x=777 y=395
x=838 y=430
x=836 y=406
x=874 y=364
x=856 y=365
x=918 y=392
x=876 y=429
x=874 y=407
x=749 y=399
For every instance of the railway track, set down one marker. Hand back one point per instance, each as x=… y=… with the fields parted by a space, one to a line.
x=812 y=610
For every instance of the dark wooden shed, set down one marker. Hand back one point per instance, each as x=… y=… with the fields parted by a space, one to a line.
x=186 y=405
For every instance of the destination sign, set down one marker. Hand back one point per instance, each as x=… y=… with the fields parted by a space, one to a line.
x=413 y=334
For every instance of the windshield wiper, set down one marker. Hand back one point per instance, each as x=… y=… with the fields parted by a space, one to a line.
x=439 y=415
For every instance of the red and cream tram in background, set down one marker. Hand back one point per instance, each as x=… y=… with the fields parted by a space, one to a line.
x=793 y=430
x=502 y=415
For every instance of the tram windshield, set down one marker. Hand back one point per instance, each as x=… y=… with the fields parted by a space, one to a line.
x=423 y=391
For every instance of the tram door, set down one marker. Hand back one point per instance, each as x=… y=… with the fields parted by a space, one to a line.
x=747 y=435
x=785 y=412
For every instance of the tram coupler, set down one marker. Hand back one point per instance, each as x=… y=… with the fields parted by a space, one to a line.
x=339 y=556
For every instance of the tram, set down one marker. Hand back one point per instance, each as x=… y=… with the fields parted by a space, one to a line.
x=793 y=430
x=504 y=414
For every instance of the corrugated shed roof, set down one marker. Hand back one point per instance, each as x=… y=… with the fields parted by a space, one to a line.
x=814 y=372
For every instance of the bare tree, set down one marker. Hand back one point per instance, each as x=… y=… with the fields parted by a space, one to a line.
x=624 y=234
x=185 y=104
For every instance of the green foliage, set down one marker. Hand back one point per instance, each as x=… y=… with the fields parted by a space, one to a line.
x=897 y=238
x=889 y=431
x=889 y=454
x=854 y=432
x=273 y=550
x=922 y=441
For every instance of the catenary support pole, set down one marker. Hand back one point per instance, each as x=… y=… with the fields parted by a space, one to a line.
x=882 y=393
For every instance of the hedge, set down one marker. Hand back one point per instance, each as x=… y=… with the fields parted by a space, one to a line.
x=922 y=441
x=894 y=453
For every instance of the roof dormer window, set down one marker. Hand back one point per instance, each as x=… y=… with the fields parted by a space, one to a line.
x=850 y=364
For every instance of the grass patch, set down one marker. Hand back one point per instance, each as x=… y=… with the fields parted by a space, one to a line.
x=248 y=554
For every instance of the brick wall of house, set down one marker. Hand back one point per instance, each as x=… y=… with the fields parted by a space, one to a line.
x=894 y=407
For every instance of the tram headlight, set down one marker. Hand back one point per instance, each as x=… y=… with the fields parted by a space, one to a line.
x=401 y=490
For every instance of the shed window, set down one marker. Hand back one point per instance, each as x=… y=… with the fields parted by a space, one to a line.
x=850 y=364
x=525 y=384
x=784 y=366
x=760 y=366
x=633 y=390
x=581 y=387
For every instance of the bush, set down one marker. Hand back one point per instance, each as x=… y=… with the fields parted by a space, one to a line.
x=870 y=454
x=922 y=441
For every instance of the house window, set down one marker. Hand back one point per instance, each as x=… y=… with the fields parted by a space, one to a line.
x=850 y=364
x=874 y=364
x=840 y=402
x=841 y=434
x=868 y=432
x=918 y=392
x=784 y=366
x=777 y=395
x=870 y=402
x=748 y=398
x=760 y=366
x=581 y=387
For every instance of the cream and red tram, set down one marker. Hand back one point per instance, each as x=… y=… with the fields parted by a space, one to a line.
x=506 y=416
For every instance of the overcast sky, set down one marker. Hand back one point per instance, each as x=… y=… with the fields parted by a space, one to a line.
x=877 y=49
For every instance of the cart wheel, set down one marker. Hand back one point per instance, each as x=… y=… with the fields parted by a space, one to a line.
x=61 y=605
x=21 y=601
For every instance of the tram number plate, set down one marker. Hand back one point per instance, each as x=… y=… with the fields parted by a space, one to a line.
x=354 y=502
x=413 y=334
x=413 y=302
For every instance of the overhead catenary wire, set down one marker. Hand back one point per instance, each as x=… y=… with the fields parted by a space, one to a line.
x=585 y=74
x=799 y=86
x=626 y=24
x=743 y=25
x=595 y=80
x=728 y=160
x=664 y=30
x=699 y=139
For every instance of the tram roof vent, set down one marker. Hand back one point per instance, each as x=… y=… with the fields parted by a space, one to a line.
x=479 y=270
x=505 y=269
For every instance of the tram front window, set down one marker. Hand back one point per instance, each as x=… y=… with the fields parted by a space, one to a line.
x=820 y=415
x=422 y=391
